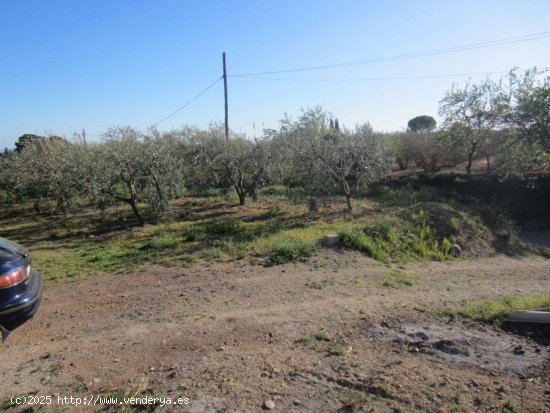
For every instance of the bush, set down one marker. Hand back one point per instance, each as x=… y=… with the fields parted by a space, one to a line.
x=225 y=228
x=288 y=248
x=194 y=233
x=278 y=191
x=393 y=239
x=355 y=238
x=160 y=243
x=446 y=223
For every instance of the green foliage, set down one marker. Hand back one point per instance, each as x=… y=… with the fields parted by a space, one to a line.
x=194 y=233
x=421 y=123
x=398 y=279
x=409 y=195
x=317 y=155
x=275 y=191
x=225 y=228
x=290 y=248
x=336 y=351
x=401 y=146
x=391 y=238
x=518 y=108
x=161 y=243
x=495 y=310
x=470 y=114
x=311 y=341
x=355 y=237
x=188 y=259
x=510 y=407
x=212 y=254
x=429 y=151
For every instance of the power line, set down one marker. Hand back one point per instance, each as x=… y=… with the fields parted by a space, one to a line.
x=188 y=102
x=375 y=78
x=454 y=49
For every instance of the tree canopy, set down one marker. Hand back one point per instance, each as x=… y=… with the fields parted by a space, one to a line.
x=423 y=123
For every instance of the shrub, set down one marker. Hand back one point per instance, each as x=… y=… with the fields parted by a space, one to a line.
x=212 y=254
x=355 y=238
x=288 y=248
x=336 y=351
x=159 y=243
x=278 y=191
x=224 y=228
x=194 y=233
x=393 y=239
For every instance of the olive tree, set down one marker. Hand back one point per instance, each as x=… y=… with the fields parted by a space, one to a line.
x=470 y=114
x=119 y=169
x=46 y=171
x=527 y=119
x=237 y=163
x=401 y=146
x=350 y=159
x=163 y=167
x=134 y=167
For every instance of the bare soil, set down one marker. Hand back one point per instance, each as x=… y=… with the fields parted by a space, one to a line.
x=231 y=336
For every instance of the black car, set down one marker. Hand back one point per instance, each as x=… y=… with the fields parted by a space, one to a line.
x=20 y=286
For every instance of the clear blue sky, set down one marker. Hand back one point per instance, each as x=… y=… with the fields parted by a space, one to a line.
x=68 y=65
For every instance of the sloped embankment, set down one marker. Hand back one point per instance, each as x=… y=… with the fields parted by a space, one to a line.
x=458 y=227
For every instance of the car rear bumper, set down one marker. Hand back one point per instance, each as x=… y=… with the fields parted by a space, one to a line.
x=25 y=306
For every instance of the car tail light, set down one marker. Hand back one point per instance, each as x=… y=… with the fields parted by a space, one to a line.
x=13 y=277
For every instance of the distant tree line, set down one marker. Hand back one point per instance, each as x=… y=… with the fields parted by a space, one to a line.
x=309 y=155
x=508 y=119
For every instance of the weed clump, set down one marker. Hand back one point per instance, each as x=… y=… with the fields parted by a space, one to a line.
x=495 y=310
x=391 y=239
x=356 y=238
x=458 y=227
x=160 y=243
x=225 y=228
x=288 y=248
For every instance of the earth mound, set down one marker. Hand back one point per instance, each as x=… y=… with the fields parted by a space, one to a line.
x=459 y=227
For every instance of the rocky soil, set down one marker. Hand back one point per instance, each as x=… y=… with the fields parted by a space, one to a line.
x=322 y=336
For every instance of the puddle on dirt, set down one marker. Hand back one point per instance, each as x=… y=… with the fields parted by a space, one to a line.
x=475 y=345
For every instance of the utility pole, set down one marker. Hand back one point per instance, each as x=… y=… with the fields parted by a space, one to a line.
x=84 y=136
x=225 y=95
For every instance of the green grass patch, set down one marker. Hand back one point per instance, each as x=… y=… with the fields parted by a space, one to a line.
x=289 y=248
x=399 y=278
x=495 y=310
x=161 y=243
x=90 y=241
x=393 y=239
x=212 y=254
x=336 y=351
x=225 y=228
x=311 y=341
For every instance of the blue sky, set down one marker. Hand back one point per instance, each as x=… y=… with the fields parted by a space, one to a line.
x=68 y=65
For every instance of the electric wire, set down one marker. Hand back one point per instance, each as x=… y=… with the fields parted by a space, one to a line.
x=454 y=49
x=376 y=78
x=188 y=102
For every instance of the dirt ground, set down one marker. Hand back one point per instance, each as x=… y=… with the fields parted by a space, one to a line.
x=322 y=336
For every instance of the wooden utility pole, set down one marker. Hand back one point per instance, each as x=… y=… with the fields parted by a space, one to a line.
x=225 y=95
x=84 y=136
